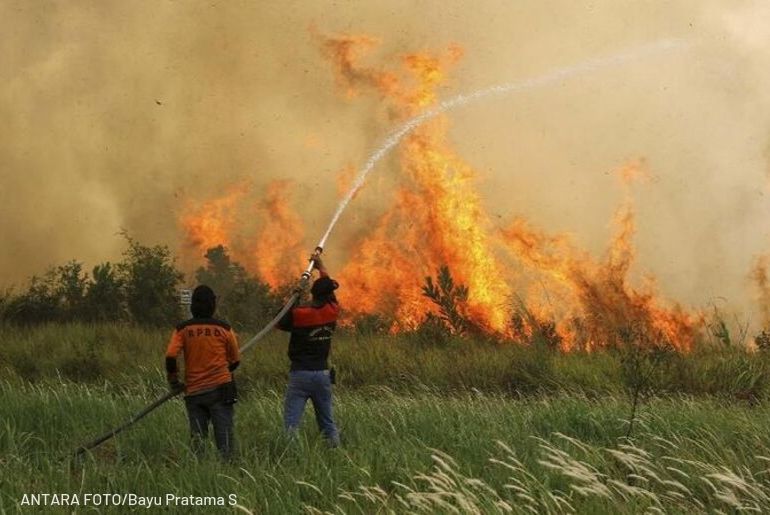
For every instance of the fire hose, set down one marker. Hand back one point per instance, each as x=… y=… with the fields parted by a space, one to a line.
x=391 y=141
x=139 y=415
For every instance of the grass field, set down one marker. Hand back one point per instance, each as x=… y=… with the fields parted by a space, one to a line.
x=467 y=427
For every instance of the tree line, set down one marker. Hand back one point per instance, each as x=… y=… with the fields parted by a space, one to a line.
x=142 y=288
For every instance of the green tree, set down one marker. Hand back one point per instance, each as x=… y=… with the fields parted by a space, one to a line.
x=244 y=300
x=451 y=299
x=220 y=272
x=38 y=304
x=150 y=282
x=105 y=298
x=57 y=296
x=69 y=289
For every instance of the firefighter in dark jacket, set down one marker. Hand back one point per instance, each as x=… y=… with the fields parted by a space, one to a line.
x=311 y=328
x=211 y=354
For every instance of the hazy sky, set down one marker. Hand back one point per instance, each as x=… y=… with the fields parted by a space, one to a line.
x=114 y=113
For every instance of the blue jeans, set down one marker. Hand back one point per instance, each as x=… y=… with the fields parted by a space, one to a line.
x=314 y=385
x=206 y=407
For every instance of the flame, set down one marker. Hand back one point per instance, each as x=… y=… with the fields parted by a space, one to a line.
x=213 y=222
x=520 y=280
x=437 y=209
x=601 y=300
x=270 y=248
x=345 y=53
x=280 y=239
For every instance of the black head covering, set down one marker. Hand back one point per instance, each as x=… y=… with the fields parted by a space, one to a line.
x=323 y=288
x=204 y=302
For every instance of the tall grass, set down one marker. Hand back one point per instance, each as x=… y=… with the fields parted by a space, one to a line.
x=460 y=427
x=123 y=356
x=423 y=453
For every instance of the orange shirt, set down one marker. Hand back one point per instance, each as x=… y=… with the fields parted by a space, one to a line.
x=209 y=347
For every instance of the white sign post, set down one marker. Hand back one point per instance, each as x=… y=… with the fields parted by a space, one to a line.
x=185 y=297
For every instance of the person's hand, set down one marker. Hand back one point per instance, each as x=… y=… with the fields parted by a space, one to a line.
x=175 y=385
x=318 y=263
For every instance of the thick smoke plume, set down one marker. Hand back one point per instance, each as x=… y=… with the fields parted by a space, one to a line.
x=127 y=115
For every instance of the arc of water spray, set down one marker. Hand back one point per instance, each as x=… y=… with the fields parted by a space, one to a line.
x=398 y=134
x=391 y=141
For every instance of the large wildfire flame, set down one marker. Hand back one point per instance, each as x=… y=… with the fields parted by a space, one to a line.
x=437 y=218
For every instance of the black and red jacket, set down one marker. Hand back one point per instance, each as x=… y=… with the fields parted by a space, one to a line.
x=311 y=328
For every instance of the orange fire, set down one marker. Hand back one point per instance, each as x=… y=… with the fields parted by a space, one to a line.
x=436 y=218
x=213 y=222
x=271 y=248
x=436 y=210
x=596 y=298
x=280 y=238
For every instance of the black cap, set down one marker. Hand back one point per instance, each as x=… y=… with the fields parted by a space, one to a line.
x=204 y=302
x=323 y=286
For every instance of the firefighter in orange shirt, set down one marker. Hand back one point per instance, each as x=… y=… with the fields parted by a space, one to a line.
x=211 y=354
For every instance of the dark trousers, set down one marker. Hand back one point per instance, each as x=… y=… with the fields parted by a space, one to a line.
x=205 y=407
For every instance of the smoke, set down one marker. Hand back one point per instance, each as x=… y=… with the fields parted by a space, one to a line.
x=118 y=114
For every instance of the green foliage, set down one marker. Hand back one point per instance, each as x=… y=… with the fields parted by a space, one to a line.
x=433 y=330
x=244 y=300
x=220 y=272
x=56 y=296
x=84 y=363
x=70 y=289
x=36 y=305
x=150 y=282
x=105 y=297
x=450 y=299
x=425 y=453
x=140 y=289
x=371 y=325
x=5 y=299
x=641 y=357
x=128 y=354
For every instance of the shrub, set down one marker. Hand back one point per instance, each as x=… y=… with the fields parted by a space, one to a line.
x=56 y=296
x=105 y=298
x=244 y=300
x=642 y=355
x=150 y=282
x=450 y=299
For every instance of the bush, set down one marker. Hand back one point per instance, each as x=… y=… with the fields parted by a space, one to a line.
x=55 y=297
x=451 y=301
x=104 y=299
x=243 y=300
x=142 y=288
x=150 y=284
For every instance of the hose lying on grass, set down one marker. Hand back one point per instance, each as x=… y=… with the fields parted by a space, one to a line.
x=304 y=279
